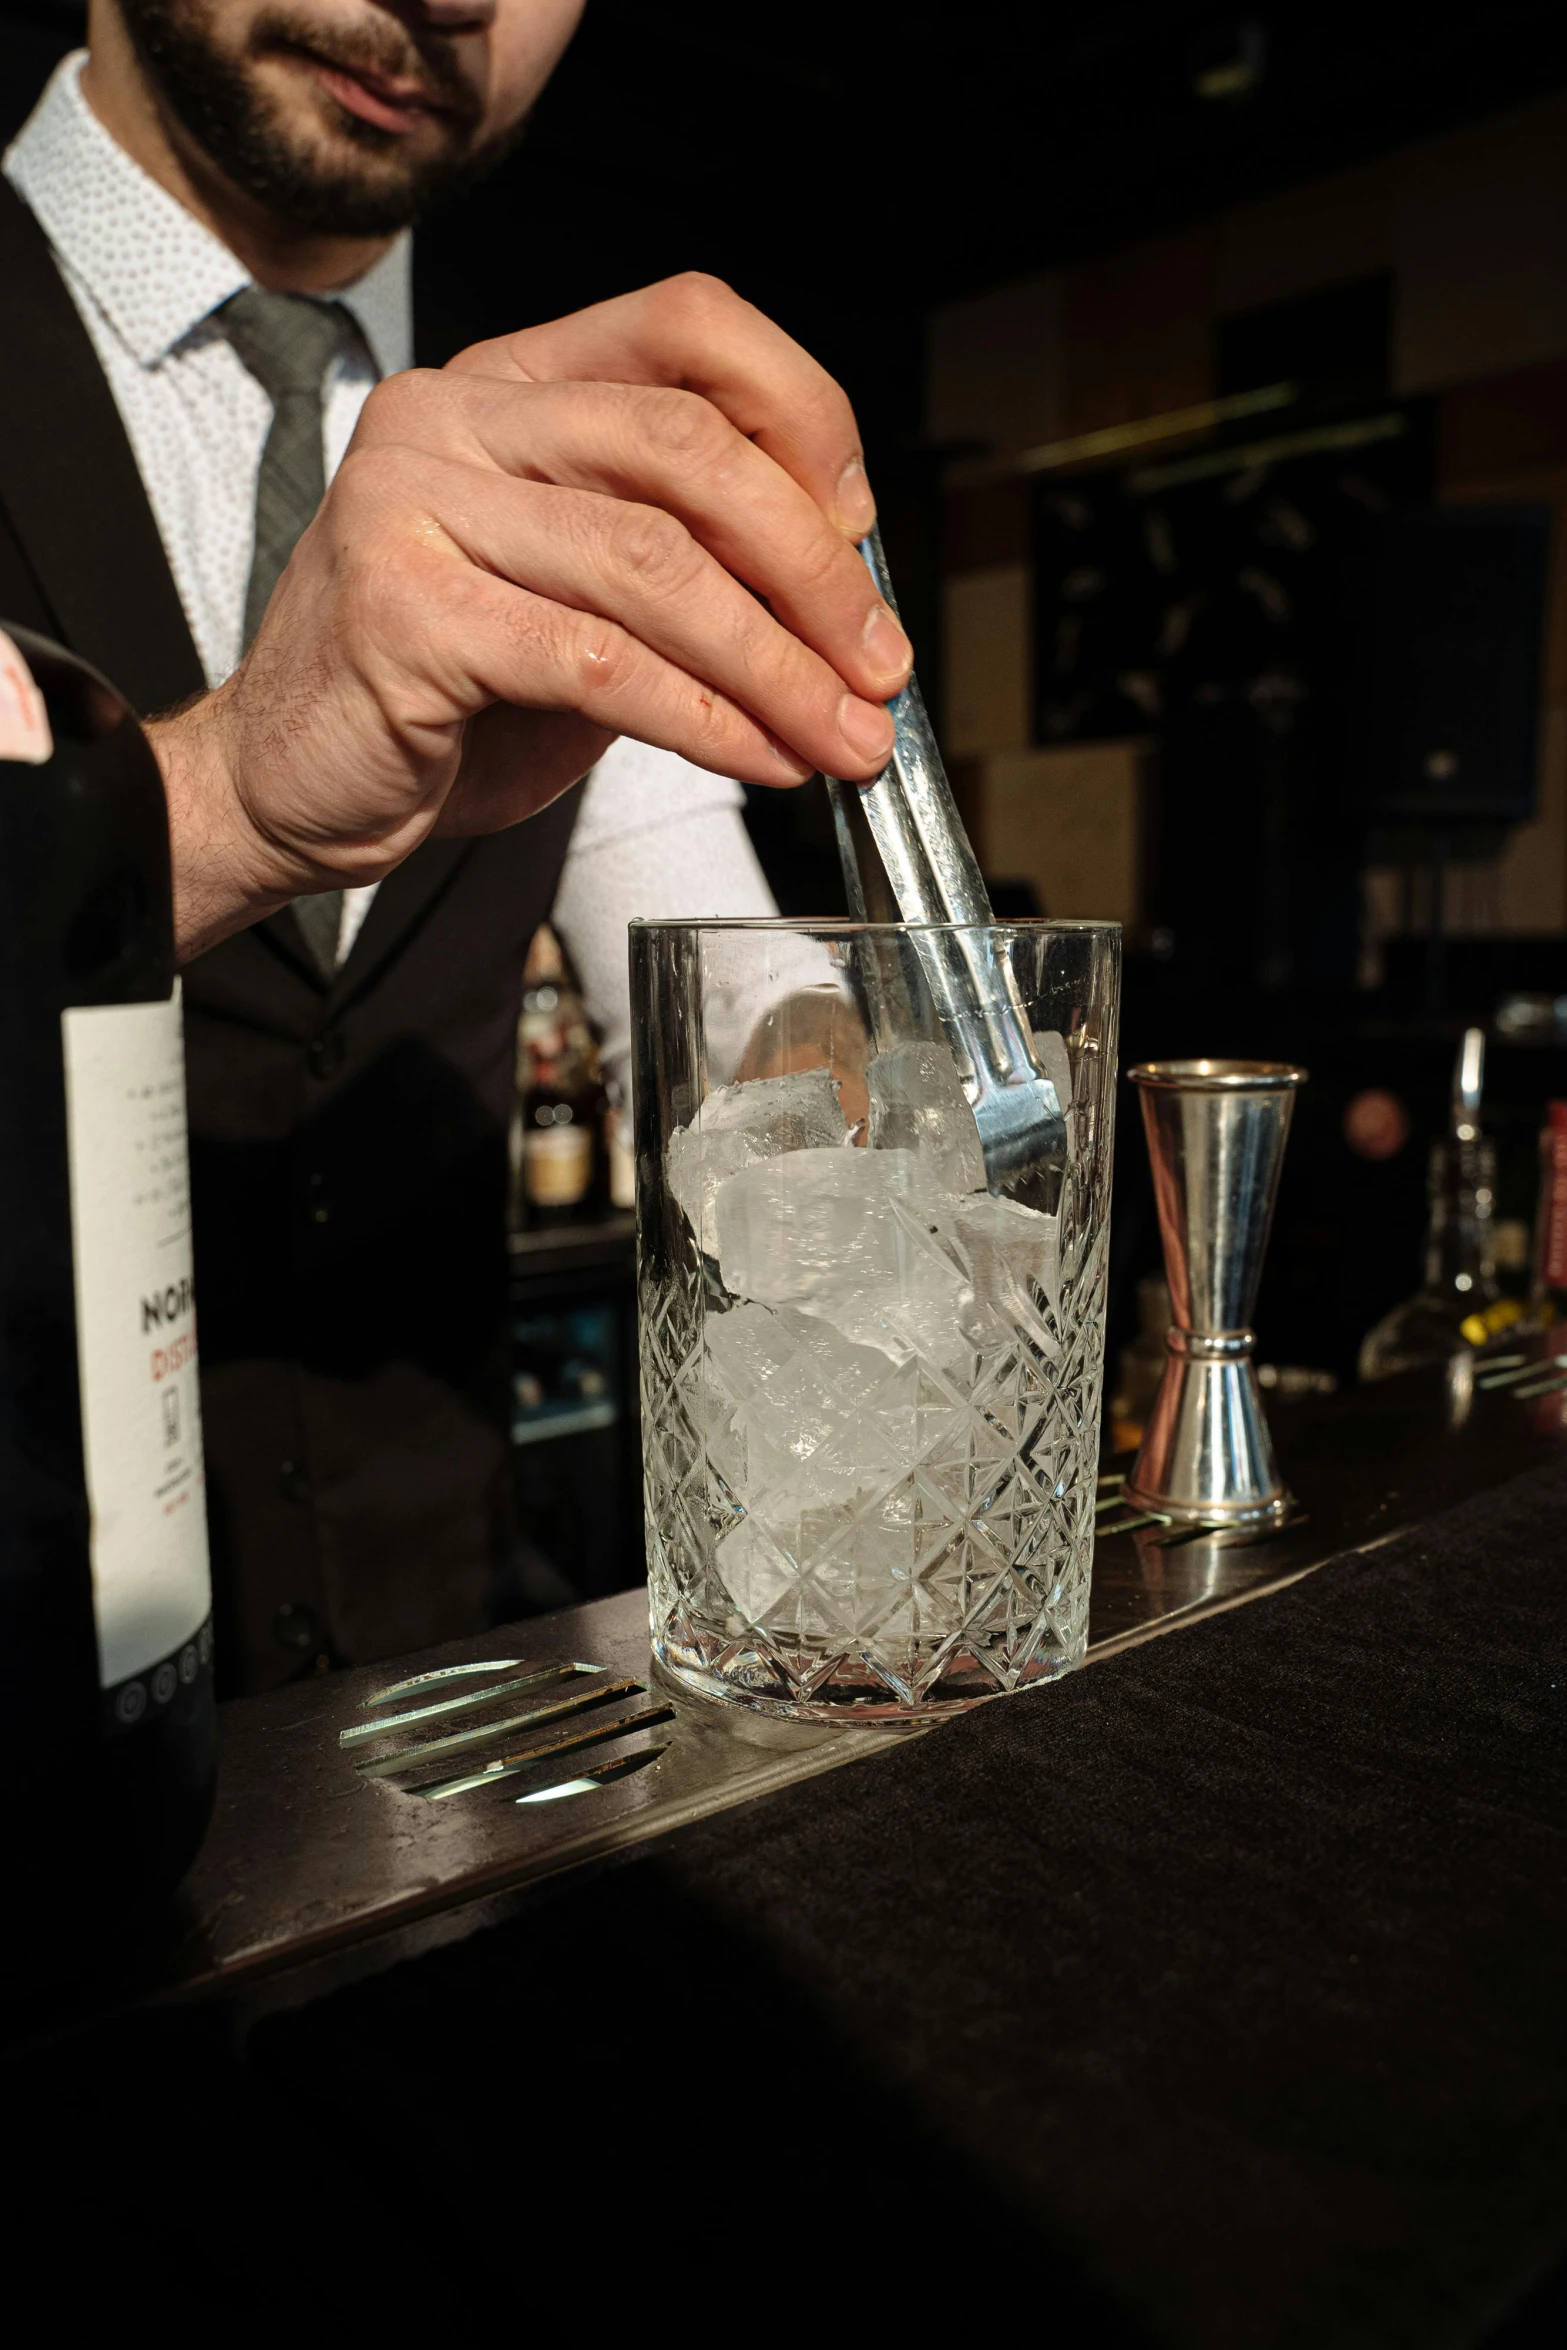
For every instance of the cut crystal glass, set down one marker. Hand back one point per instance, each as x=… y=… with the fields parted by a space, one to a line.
x=870 y=1389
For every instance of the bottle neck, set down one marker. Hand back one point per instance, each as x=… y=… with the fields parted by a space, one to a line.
x=1460 y=1263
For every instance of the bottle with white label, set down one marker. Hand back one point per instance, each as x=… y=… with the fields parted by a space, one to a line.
x=106 y=1708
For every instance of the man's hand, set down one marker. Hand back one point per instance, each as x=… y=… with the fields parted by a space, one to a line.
x=637 y=520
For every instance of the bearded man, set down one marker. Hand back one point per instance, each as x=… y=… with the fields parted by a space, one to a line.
x=635 y=523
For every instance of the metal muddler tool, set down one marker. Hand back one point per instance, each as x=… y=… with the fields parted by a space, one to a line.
x=912 y=819
x=1216 y=1135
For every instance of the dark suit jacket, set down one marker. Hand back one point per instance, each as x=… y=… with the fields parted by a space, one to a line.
x=348 y=1141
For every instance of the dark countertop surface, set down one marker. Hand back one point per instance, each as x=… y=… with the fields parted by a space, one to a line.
x=1235 y=1971
x=1211 y=1996
x=1214 y=2000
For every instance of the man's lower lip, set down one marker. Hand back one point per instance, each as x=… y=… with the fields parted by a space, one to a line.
x=369 y=108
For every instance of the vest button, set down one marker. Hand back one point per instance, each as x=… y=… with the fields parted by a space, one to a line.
x=293 y=1482
x=325 y=1055
x=294 y=1626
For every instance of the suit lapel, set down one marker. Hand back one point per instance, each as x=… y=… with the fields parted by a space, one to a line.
x=69 y=482
x=406 y=896
x=284 y=936
x=400 y=903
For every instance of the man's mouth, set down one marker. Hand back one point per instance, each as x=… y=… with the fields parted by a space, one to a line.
x=392 y=102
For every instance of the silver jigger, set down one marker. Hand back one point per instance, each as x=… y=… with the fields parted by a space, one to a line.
x=1216 y=1134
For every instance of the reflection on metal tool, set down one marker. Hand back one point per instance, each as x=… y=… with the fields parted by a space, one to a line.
x=924 y=852
x=1216 y=1135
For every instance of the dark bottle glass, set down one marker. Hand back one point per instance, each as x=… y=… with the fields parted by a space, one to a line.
x=106 y=1703
x=1458 y=1305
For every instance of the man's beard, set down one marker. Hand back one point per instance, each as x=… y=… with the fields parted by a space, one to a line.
x=215 y=100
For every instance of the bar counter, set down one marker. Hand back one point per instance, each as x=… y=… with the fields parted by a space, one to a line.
x=1211 y=1996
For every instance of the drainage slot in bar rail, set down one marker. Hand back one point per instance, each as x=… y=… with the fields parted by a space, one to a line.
x=606 y=1774
x=544 y=1677
x=494 y=1664
x=509 y=1766
x=409 y=1758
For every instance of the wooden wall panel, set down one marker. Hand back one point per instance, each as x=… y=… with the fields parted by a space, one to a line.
x=1303 y=238
x=1480 y=249
x=1503 y=425
x=986 y=647
x=1070 y=822
x=986 y=523
x=995 y=369
x=1135 y=327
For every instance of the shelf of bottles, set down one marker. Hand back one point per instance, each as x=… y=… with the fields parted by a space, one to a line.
x=571 y=1194
x=573 y=1394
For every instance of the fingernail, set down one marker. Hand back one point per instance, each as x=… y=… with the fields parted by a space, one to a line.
x=856 y=507
x=797 y=769
x=887 y=649
x=866 y=730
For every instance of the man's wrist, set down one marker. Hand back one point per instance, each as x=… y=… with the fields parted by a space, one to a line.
x=226 y=871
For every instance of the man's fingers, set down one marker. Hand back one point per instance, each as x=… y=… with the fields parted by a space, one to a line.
x=693 y=333
x=443 y=632
x=639 y=567
x=673 y=450
x=525 y=648
x=637 y=574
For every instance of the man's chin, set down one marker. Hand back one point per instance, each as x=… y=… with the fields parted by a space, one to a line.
x=335 y=198
x=324 y=169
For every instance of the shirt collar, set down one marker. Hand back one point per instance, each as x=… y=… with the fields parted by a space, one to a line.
x=382 y=305
x=149 y=265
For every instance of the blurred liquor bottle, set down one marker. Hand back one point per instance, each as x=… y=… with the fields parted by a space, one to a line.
x=1459 y=1304
x=1548 y=1289
x=1141 y=1366
x=556 y=1155
x=1513 y=1248
x=621 y=1155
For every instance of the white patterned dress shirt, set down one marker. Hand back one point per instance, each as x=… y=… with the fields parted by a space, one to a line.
x=655 y=835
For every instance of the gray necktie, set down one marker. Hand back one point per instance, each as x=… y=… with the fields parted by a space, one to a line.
x=288 y=342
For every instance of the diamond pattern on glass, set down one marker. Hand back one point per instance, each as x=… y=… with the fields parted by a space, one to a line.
x=832 y=1526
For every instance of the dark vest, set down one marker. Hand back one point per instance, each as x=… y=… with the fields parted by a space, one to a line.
x=348 y=1142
